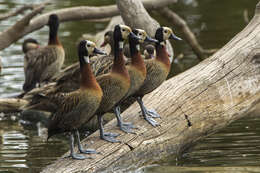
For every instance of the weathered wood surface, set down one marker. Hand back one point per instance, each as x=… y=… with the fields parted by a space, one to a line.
x=12 y=104
x=211 y=95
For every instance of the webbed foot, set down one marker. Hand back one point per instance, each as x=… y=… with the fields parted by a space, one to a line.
x=151 y=121
x=78 y=156
x=110 y=139
x=89 y=151
x=109 y=134
x=152 y=113
x=127 y=128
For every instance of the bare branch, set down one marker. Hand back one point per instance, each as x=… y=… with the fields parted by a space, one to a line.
x=73 y=14
x=20 y=10
x=12 y=34
x=16 y=12
x=188 y=34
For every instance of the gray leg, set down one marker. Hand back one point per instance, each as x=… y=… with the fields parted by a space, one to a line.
x=102 y=135
x=144 y=112
x=117 y=108
x=126 y=128
x=81 y=150
x=72 y=152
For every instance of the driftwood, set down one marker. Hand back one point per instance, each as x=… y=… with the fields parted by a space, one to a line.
x=70 y=14
x=12 y=104
x=194 y=104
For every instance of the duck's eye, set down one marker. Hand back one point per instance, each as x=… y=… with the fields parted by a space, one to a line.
x=123 y=30
x=88 y=45
x=140 y=34
x=165 y=31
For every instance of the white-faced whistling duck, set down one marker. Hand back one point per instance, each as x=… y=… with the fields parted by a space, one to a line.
x=149 y=51
x=77 y=107
x=44 y=62
x=136 y=70
x=115 y=84
x=157 y=71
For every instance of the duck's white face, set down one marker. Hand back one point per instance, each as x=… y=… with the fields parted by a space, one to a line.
x=90 y=46
x=125 y=31
x=142 y=35
x=167 y=32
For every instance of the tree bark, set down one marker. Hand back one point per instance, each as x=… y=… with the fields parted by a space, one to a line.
x=73 y=14
x=9 y=105
x=211 y=95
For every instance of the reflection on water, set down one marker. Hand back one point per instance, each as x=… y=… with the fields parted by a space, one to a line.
x=22 y=150
x=236 y=146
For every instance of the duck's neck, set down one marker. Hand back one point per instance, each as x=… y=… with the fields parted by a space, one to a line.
x=119 y=61
x=88 y=80
x=136 y=59
x=112 y=46
x=162 y=54
x=53 y=36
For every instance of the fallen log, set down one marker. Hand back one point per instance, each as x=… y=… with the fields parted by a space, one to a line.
x=9 y=105
x=194 y=104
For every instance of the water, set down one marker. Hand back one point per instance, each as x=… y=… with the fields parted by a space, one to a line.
x=215 y=22
x=233 y=149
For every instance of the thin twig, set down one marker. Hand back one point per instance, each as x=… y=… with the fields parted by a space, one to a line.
x=188 y=34
x=21 y=10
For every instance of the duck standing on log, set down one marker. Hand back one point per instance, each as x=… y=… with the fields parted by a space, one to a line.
x=157 y=71
x=136 y=70
x=42 y=63
x=77 y=107
x=115 y=84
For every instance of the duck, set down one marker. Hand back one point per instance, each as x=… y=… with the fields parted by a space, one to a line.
x=42 y=63
x=136 y=70
x=29 y=44
x=158 y=69
x=149 y=51
x=109 y=40
x=68 y=79
x=77 y=107
x=116 y=83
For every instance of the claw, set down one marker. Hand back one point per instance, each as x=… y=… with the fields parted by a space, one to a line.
x=152 y=113
x=151 y=121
